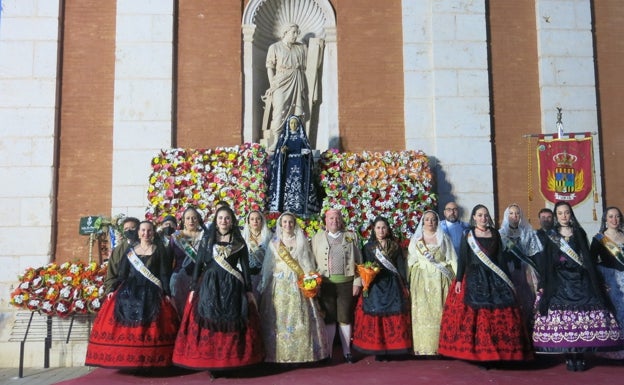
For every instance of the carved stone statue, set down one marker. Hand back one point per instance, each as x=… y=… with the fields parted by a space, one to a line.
x=290 y=91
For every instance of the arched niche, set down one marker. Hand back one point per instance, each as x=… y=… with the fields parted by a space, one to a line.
x=261 y=22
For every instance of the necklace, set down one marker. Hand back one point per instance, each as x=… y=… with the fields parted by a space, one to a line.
x=144 y=250
x=289 y=241
x=254 y=237
x=225 y=236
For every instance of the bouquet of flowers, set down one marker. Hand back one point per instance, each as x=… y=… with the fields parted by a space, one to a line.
x=61 y=290
x=367 y=271
x=310 y=284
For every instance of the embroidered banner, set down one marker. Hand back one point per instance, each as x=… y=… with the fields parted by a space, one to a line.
x=565 y=168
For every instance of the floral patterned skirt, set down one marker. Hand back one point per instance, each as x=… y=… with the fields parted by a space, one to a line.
x=292 y=326
x=381 y=335
x=200 y=348
x=569 y=330
x=482 y=334
x=114 y=345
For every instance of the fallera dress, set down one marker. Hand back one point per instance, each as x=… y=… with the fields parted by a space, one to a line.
x=572 y=313
x=483 y=322
x=292 y=326
x=431 y=270
x=609 y=256
x=136 y=328
x=220 y=328
x=382 y=322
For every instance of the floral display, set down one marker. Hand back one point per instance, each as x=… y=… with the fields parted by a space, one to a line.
x=310 y=284
x=61 y=290
x=397 y=185
x=200 y=178
x=367 y=271
x=310 y=225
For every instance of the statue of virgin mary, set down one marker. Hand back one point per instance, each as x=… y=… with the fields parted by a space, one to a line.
x=291 y=172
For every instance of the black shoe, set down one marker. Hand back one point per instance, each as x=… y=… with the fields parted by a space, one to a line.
x=348 y=358
x=381 y=358
x=580 y=365
x=570 y=365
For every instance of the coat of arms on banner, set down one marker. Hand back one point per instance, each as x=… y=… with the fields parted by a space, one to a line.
x=565 y=168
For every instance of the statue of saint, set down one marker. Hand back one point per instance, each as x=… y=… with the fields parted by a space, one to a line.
x=288 y=92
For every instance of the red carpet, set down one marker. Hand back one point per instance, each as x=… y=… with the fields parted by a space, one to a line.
x=546 y=370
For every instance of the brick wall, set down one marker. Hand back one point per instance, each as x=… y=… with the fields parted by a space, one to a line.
x=609 y=29
x=86 y=121
x=370 y=65
x=515 y=108
x=209 y=67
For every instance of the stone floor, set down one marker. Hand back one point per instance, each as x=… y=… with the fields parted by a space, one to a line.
x=40 y=376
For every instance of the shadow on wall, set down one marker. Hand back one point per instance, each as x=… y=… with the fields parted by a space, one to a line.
x=442 y=185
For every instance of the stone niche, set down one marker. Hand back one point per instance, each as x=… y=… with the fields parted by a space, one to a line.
x=262 y=23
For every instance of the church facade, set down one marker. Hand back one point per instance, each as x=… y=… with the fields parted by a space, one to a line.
x=90 y=91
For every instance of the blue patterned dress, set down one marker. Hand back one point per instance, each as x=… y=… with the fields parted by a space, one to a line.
x=292 y=184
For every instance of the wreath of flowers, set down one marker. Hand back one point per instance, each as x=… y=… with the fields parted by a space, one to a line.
x=61 y=290
x=200 y=178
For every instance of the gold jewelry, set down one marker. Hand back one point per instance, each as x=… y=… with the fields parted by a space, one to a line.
x=255 y=238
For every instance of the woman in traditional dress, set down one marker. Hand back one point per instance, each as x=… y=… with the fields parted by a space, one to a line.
x=607 y=250
x=431 y=265
x=522 y=248
x=257 y=235
x=572 y=315
x=137 y=324
x=292 y=326
x=382 y=324
x=221 y=327
x=184 y=244
x=481 y=319
x=292 y=187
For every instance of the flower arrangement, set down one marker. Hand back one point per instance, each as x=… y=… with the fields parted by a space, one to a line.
x=310 y=284
x=397 y=185
x=61 y=290
x=310 y=225
x=367 y=271
x=200 y=178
